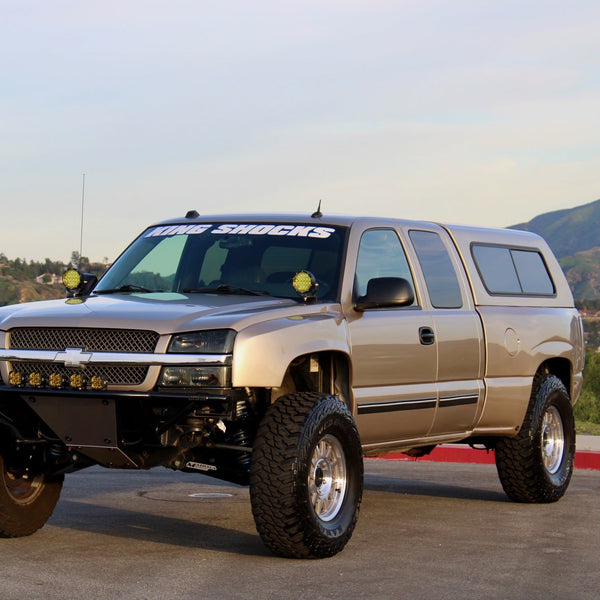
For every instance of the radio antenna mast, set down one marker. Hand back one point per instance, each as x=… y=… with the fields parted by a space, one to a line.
x=81 y=231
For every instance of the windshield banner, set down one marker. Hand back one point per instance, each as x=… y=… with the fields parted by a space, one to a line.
x=243 y=229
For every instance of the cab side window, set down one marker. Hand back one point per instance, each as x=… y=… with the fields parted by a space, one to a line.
x=380 y=254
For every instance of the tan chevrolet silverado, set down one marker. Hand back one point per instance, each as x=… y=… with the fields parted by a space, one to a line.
x=276 y=351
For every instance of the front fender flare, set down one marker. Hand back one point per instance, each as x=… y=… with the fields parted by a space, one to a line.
x=263 y=352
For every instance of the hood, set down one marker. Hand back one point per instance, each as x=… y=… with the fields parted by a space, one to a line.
x=164 y=313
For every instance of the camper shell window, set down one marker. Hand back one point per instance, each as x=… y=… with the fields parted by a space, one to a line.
x=512 y=271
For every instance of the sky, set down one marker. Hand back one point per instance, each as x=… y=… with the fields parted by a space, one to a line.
x=464 y=111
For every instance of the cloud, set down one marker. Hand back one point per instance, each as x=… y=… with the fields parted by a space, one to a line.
x=466 y=111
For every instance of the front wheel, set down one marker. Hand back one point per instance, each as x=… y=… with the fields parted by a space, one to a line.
x=306 y=477
x=26 y=501
x=537 y=464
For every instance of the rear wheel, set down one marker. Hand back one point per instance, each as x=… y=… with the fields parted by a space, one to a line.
x=537 y=464
x=26 y=500
x=306 y=478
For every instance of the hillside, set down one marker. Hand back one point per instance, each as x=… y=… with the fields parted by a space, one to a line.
x=574 y=236
x=583 y=273
x=568 y=231
x=13 y=291
x=22 y=281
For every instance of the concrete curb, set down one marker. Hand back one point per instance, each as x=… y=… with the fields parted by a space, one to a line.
x=584 y=459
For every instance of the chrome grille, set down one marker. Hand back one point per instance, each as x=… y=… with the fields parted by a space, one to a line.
x=112 y=374
x=90 y=340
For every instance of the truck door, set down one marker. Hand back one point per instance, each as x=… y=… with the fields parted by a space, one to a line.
x=394 y=359
x=458 y=333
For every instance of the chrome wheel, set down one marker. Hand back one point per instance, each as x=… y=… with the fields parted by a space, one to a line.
x=21 y=489
x=553 y=440
x=26 y=501
x=327 y=478
x=306 y=476
x=536 y=465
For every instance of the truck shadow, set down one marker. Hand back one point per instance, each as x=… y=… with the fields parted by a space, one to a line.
x=165 y=515
x=156 y=528
x=432 y=489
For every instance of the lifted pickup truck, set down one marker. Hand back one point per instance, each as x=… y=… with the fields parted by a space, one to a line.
x=276 y=351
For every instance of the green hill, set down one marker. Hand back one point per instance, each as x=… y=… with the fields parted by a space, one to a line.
x=13 y=291
x=583 y=273
x=568 y=231
x=574 y=236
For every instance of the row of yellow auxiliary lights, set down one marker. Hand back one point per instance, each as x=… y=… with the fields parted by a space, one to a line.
x=77 y=381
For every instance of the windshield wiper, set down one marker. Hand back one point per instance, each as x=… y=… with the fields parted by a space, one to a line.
x=126 y=288
x=225 y=289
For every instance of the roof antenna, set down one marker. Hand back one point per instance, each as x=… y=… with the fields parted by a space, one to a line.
x=81 y=229
x=318 y=214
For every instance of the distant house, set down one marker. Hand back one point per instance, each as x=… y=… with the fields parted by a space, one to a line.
x=48 y=278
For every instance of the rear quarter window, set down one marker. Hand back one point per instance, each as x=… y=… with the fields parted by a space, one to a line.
x=440 y=276
x=512 y=271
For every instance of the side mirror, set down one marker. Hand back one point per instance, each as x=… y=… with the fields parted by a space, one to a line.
x=385 y=292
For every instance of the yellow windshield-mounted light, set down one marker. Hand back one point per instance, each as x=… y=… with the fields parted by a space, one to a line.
x=305 y=284
x=72 y=279
x=78 y=283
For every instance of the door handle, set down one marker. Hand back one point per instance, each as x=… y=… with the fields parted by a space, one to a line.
x=426 y=336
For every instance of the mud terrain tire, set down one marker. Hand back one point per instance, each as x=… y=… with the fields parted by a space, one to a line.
x=306 y=477
x=536 y=465
x=26 y=503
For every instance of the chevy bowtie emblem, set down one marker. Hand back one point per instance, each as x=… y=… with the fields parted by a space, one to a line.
x=73 y=357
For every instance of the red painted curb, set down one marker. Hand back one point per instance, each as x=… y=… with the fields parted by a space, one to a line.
x=583 y=459
x=587 y=460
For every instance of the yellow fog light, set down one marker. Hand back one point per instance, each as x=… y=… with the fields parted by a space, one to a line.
x=36 y=380
x=55 y=380
x=97 y=383
x=15 y=378
x=77 y=381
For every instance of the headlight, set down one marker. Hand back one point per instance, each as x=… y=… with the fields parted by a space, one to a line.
x=214 y=341
x=191 y=377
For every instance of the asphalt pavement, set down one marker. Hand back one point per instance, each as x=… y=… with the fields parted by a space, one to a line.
x=427 y=530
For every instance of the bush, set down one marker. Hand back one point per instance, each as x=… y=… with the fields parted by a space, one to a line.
x=588 y=406
x=10 y=292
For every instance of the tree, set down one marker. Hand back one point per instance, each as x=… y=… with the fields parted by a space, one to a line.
x=10 y=292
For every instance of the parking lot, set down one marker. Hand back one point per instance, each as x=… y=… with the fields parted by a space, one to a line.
x=426 y=530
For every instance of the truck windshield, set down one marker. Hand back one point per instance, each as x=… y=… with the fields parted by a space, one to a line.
x=240 y=258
